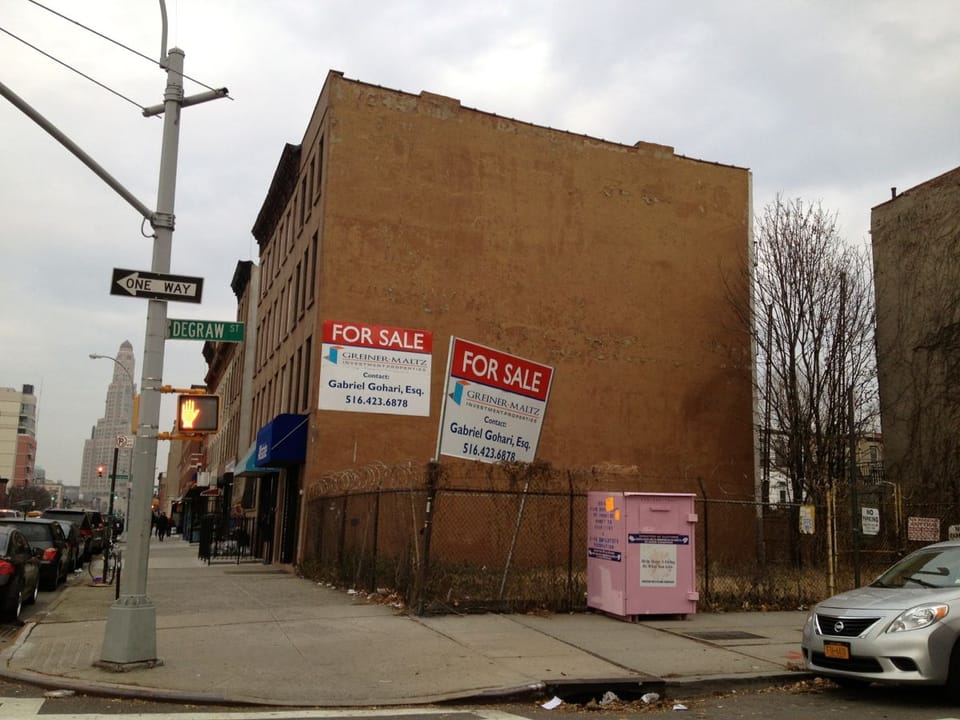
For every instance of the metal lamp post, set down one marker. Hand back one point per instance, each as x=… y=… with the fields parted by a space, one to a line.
x=130 y=637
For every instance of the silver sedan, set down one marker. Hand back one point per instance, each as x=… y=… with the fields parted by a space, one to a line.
x=902 y=628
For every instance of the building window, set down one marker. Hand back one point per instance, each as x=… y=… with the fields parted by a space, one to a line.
x=319 y=181
x=313 y=180
x=304 y=199
x=297 y=370
x=308 y=346
x=314 y=247
x=298 y=292
x=288 y=238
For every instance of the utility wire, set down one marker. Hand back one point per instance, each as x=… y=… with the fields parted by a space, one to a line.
x=78 y=72
x=115 y=42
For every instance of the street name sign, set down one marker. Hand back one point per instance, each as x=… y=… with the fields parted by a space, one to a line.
x=155 y=286
x=204 y=330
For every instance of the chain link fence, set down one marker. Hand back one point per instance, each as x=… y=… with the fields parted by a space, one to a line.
x=513 y=538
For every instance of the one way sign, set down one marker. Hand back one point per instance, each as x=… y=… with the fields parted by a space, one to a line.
x=155 y=286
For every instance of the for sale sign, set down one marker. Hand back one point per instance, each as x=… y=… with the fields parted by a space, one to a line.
x=494 y=404
x=376 y=369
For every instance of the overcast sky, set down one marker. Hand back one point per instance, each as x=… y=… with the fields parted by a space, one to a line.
x=833 y=102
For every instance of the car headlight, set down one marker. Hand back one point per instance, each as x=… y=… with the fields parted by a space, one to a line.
x=918 y=617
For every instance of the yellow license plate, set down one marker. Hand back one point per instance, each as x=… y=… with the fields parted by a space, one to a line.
x=836 y=651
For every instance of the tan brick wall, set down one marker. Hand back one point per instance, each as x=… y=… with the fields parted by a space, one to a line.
x=604 y=260
x=914 y=238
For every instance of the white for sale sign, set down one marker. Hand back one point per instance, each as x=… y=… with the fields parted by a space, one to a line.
x=494 y=404
x=375 y=369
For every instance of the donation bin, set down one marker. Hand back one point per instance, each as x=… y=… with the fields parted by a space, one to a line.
x=640 y=553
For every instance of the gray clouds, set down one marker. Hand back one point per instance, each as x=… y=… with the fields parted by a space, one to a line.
x=833 y=102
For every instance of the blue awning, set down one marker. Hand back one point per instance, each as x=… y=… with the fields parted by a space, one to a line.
x=283 y=441
x=248 y=465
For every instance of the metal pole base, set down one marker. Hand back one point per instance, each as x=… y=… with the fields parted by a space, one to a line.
x=131 y=633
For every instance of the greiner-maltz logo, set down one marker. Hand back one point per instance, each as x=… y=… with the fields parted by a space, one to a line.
x=334 y=355
x=457 y=394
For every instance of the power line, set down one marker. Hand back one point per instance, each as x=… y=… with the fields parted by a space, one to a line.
x=98 y=34
x=151 y=60
x=69 y=67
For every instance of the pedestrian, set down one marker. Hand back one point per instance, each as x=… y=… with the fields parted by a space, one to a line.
x=163 y=525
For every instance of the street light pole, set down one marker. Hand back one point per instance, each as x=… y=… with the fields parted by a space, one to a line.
x=130 y=637
x=131 y=632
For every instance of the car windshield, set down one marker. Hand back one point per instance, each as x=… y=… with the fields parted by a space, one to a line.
x=929 y=568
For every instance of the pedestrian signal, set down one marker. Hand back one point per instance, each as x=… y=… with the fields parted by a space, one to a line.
x=100 y=469
x=198 y=413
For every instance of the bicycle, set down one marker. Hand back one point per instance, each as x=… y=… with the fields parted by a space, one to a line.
x=109 y=569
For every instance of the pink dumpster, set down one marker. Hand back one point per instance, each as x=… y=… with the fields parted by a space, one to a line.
x=640 y=554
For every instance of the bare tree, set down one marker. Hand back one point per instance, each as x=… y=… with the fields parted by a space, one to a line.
x=813 y=329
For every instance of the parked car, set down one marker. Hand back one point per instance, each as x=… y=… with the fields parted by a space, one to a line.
x=19 y=573
x=902 y=628
x=84 y=520
x=45 y=534
x=7 y=512
x=76 y=542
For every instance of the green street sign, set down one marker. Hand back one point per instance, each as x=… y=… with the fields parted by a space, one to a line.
x=204 y=330
x=121 y=476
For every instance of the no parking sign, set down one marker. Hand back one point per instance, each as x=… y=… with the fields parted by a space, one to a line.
x=870 y=520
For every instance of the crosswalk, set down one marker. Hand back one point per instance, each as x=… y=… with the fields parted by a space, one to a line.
x=34 y=707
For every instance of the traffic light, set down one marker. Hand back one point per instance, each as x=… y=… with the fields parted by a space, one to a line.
x=198 y=413
x=100 y=470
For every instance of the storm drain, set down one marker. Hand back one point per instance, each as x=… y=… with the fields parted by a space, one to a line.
x=724 y=635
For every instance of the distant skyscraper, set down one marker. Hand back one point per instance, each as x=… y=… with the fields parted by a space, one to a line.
x=98 y=450
x=18 y=435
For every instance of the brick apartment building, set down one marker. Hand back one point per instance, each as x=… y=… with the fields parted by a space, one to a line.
x=609 y=262
x=914 y=237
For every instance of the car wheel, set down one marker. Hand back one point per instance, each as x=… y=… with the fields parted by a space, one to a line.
x=14 y=601
x=31 y=599
x=952 y=687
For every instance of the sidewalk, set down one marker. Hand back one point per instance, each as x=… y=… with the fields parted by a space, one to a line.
x=254 y=633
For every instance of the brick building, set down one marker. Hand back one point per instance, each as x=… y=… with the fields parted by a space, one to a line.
x=609 y=262
x=915 y=236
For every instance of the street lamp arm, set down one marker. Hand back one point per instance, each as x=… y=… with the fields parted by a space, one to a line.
x=97 y=356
